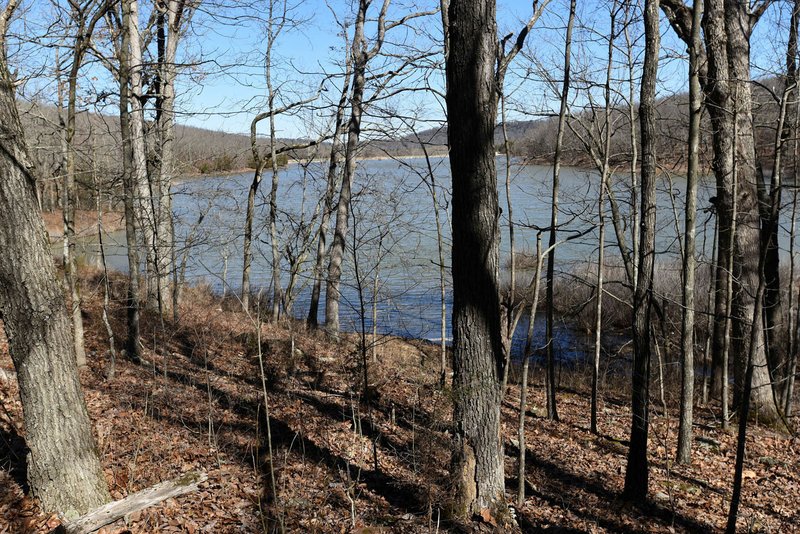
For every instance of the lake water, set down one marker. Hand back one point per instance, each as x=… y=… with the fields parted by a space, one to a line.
x=395 y=234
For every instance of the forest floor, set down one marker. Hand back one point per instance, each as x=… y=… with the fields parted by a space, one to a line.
x=340 y=465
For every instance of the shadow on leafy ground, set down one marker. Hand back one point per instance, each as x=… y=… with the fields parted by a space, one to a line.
x=341 y=465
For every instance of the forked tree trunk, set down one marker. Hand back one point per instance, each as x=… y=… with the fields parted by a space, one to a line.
x=636 y=474
x=64 y=470
x=478 y=353
x=360 y=58
x=330 y=192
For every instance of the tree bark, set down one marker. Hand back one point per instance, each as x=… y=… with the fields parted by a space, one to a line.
x=526 y=360
x=727 y=28
x=552 y=412
x=478 y=353
x=747 y=239
x=333 y=184
x=636 y=474
x=176 y=15
x=64 y=470
x=360 y=58
x=84 y=21
x=143 y=198
x=684 y=454
x=132 y=347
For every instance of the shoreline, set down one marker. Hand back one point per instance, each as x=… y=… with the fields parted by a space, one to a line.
x=85 y=223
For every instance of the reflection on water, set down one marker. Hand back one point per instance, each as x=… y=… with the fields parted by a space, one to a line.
x=395 y=236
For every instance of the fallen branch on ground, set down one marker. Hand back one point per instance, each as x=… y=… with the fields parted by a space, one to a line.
x=108 y=513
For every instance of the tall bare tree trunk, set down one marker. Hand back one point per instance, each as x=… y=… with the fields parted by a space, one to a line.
x=478 y=353
x=794 y=120
x=174 y=16
x=333 y=184
x=637 y=472
x=726 y=84
x=526 y=360
x=84 y=21
x=360 y=57
x=603 y=191
x=747 y=238
x=552 y=412
x=277 y=287
x=684 y=454
x=143 y=204
x=64 y=469
x=132 y=346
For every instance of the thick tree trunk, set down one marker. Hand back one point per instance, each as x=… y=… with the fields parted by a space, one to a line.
x=684 y=454
x=478 y=353
x=727 y=28
x=747 y=239
x=64 y=470
x=716 y=87
x=637 y=474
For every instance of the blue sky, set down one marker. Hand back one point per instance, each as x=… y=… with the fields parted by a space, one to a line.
x=225 y=85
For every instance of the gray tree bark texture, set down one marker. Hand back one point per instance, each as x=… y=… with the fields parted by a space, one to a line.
x=684 y=454
x=174 y=16
x=478 y=353
x=636 y=474
x=552 y=412
x=64 y=470
x=747 y=239
x=726 y=85
x=330 y=193
x=132 y=346
x=360 y=58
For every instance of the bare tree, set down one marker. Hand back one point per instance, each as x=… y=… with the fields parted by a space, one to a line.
x=636 y=474
x=84 y=18
x=173 y=16
x=64 y=469
x=276 y=23
x=333 y=183
x=726 y=86
x=362 y=51
x=477 y=344
x=684 y=453
x=552 y=413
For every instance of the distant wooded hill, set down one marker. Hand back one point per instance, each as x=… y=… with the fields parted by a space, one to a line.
x=202 y=151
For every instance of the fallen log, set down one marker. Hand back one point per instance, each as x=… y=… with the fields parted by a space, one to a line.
x=108 y=513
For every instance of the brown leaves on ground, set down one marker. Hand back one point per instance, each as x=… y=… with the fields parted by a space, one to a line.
x=342 y=465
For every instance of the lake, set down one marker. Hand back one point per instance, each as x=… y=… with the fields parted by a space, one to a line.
x=395 y=234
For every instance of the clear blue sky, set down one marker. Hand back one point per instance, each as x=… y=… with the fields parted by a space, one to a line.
x=225 y=86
